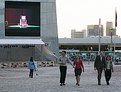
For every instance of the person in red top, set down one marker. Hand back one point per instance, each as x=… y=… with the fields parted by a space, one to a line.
x=79 y=67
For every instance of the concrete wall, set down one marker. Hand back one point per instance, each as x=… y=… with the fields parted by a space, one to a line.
x=16 y=53
x=49 y=25
x=19 y=53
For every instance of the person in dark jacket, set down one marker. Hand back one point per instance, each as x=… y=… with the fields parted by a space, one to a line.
x=99 y=65
x=31 y=66
x=108 y=69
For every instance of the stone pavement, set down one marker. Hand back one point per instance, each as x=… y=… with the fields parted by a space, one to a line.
x=16 y=80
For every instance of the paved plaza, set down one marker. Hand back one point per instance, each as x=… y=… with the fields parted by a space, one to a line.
x=16 y=80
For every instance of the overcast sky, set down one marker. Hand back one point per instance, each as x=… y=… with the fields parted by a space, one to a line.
x=77 y=14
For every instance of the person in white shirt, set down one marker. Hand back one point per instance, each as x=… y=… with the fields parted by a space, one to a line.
x=63 y=67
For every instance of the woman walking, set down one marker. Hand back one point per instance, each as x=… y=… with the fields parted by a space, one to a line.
x=78 y=65
x=108 y=69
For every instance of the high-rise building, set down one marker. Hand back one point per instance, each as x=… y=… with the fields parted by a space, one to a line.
x=93 y=30
x=109 y=26
x=78 y=34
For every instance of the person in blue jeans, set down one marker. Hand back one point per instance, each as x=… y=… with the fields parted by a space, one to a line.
x=31 y=66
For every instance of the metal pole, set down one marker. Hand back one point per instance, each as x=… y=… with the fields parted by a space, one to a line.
x=111 y=42
x=99 y=35
x=111 y=47
x=114 y=51
x=114 y=46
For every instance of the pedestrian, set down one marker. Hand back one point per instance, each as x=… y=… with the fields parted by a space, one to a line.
x=31 y=66
x=63 y=59
x=78 y=65
x=108 y=69
x=99 y=65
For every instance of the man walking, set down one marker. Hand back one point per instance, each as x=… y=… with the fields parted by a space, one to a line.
x=63 y=67
x=99 y=65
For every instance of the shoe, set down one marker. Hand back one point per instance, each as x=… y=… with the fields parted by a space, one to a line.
x=30 y=76
x=61 y=84
x=64 y=84
x=99 y=83
x=78 y=84
x=108 y=83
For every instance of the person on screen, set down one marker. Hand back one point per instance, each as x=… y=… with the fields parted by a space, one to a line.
x=23 y=21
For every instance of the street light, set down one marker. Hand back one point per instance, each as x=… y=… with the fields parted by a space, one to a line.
x=111 y=46
x=99 y=35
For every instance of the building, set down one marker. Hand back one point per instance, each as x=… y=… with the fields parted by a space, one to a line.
x=109 y=26
x=25 y=27
x=90 y=43
x=78 y=34
x=87 y=48
x=93 y=30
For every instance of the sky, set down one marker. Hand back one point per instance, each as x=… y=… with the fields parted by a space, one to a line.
x=77 y=14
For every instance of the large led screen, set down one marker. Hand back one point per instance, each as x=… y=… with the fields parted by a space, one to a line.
x=22 y=18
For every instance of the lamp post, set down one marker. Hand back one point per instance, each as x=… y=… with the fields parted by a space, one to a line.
x=111 y=46
x=99 y=35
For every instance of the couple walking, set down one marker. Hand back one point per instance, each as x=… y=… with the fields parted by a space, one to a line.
x=77 y=65
x=103 y=63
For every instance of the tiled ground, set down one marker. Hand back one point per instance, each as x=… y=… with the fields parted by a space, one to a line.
x=16 y=80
